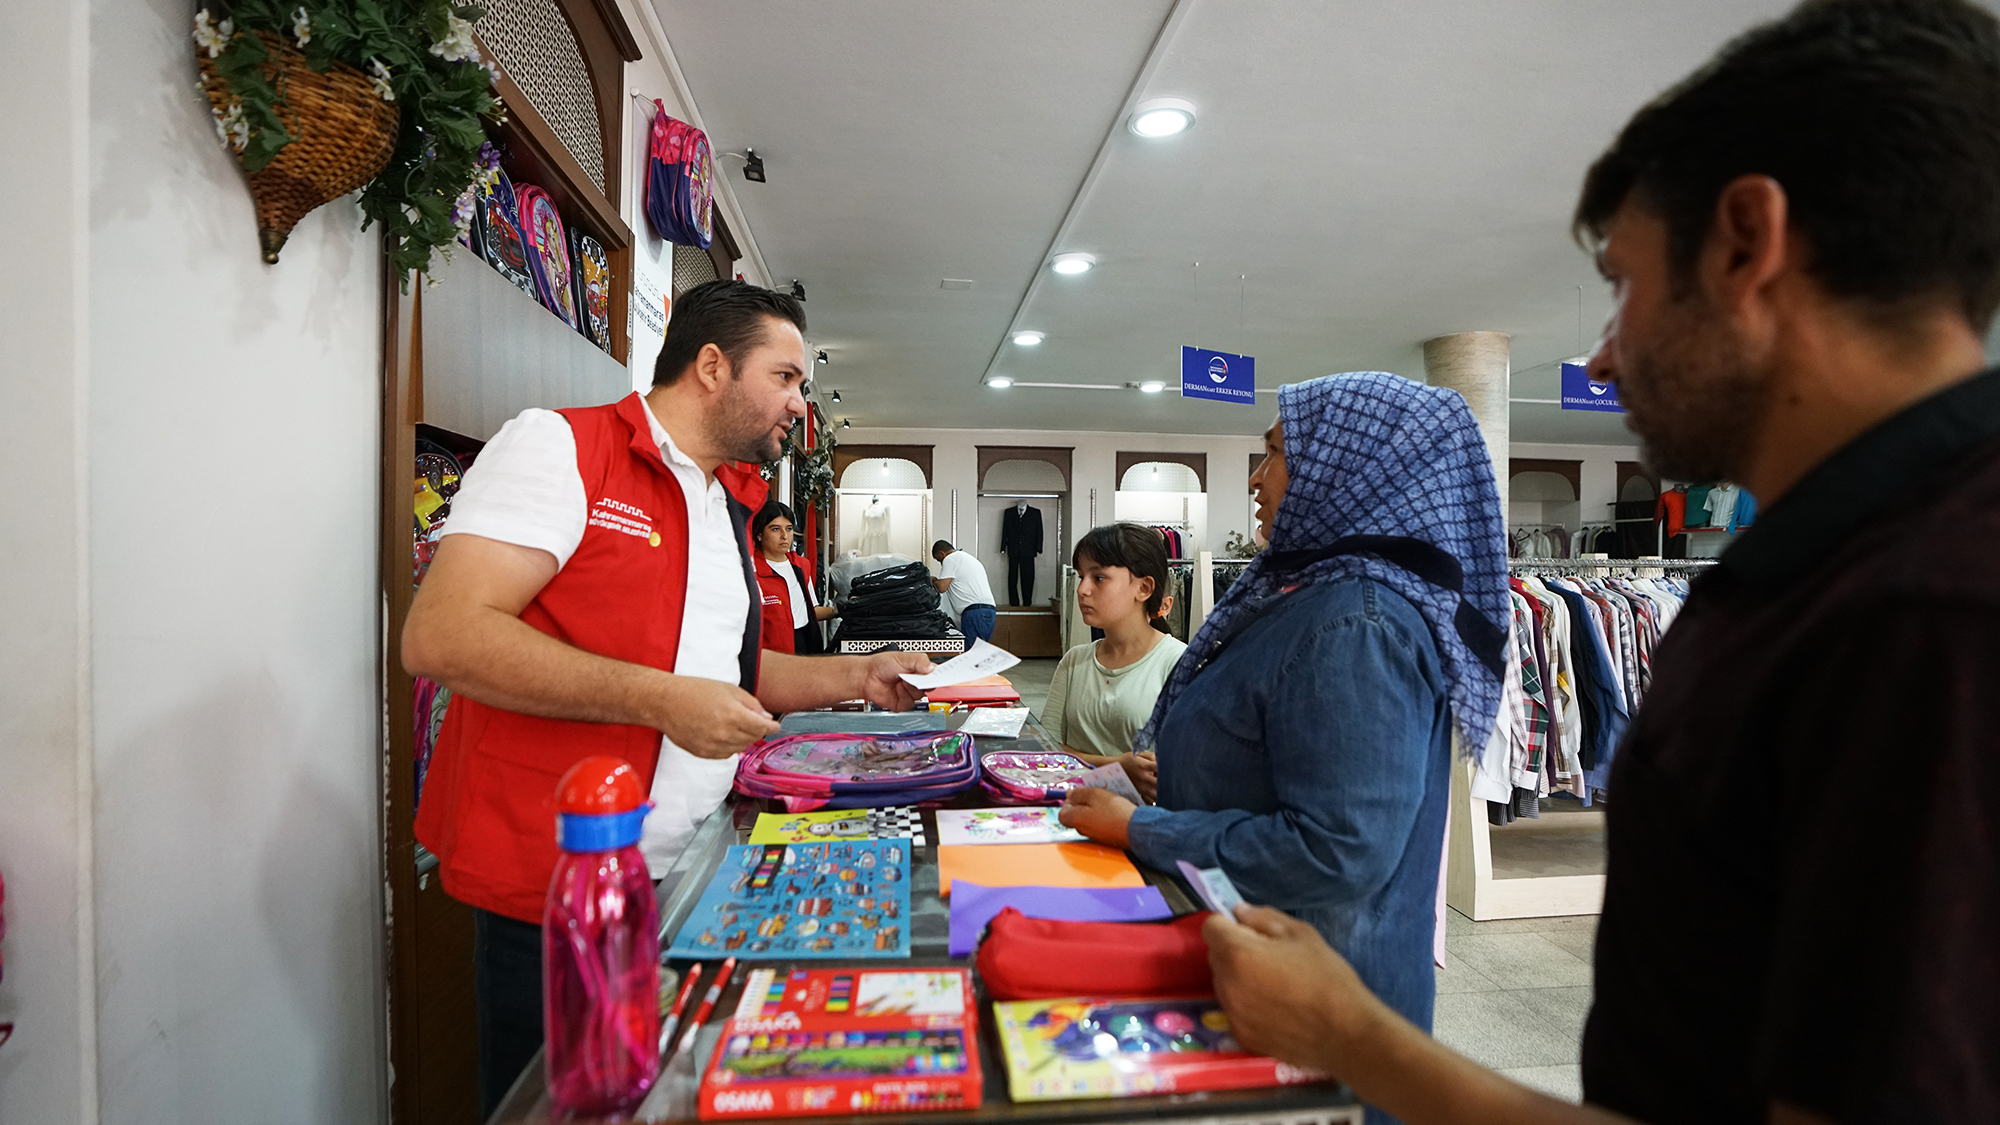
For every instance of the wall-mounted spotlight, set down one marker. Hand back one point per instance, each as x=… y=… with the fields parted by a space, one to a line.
x=845 y=424
x=799 y=290
x=819 y=357
x=753 y=166
x=833 y=397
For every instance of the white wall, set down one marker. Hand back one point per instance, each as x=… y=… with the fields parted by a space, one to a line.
x=192 y=737
x=955 y=464
x=45 y=1074
x=1599 y=472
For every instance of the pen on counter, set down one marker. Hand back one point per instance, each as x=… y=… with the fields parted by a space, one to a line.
x=673 y=1019
x=707 y=1003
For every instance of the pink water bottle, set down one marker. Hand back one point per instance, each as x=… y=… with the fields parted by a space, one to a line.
x=601 y=945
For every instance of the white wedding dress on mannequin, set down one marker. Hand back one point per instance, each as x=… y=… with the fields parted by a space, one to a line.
x=875 y=528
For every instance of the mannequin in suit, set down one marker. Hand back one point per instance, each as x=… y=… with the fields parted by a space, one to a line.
x=1021 y=540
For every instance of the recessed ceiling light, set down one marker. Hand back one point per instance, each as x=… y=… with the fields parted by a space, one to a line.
x=999 y=382
x=1152 y=387
x=1072 y=263
x=1162 y=117
x=1027 y=339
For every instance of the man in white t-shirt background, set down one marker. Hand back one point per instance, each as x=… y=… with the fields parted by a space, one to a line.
x=968 y=596
x=592 y=593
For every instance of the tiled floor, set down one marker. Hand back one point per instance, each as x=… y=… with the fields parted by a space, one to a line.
x=1514 y=996
x=1031 y=678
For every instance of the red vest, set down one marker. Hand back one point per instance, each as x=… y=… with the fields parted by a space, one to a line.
x=488 y=811
x=778 y=634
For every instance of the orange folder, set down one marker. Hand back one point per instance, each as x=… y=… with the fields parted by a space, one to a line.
x=1035 y=865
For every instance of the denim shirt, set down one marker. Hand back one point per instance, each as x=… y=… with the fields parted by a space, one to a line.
x=1311 y=762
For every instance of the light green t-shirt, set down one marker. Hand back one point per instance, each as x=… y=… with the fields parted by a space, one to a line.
x=1096 y=709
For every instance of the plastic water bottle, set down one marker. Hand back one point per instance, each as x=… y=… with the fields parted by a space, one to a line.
x=601 y=945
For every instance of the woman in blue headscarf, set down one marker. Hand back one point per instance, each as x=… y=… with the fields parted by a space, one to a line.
x=1304 y=738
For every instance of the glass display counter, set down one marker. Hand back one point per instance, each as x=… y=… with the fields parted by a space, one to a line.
x=673 y=1098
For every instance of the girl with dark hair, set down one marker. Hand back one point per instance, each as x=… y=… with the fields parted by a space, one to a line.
x=1103 y=691
x=792 y=612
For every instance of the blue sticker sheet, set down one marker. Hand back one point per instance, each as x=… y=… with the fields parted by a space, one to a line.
x=846 y=898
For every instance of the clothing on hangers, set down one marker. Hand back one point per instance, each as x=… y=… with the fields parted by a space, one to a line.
x=1581 y=662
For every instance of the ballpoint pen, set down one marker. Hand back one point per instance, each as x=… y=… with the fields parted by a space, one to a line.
x=673 y=1019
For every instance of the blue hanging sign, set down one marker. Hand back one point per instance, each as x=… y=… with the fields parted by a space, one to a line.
x=1219 y=376
x=1581 y=392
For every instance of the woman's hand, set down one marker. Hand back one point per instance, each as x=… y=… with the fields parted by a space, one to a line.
x=1144 y=770
x=1099 y=814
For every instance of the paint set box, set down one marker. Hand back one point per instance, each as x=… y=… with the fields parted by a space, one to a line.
x=1114 y=1048
x=808 y=1042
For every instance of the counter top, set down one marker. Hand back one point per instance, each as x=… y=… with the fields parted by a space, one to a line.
x=673 y=1097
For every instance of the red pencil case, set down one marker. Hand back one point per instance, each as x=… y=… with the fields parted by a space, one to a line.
x=1027 y=958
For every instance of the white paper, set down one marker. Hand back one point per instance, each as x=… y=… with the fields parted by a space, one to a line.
x=1216 y=891
x=1030 y=824
x=995 y=722
x=1114 y=778
x=982 y=659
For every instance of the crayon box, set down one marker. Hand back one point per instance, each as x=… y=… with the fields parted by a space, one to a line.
x=808 y=1042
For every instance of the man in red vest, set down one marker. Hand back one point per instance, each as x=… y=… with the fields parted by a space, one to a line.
x=593 y=594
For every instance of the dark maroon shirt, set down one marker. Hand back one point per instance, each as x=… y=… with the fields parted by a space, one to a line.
x=1803 y=900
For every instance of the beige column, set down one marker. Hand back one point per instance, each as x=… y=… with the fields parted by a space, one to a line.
x=1477 y=365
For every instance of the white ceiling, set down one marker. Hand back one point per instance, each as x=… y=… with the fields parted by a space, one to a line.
x=1376 y=173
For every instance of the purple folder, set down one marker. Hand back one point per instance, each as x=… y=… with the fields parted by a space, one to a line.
x=972 y=906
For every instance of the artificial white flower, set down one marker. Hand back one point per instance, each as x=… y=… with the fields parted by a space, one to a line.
x=301 y=27
x=457 y=45
x=382 y=88
x=230 y=127
x=212 y=37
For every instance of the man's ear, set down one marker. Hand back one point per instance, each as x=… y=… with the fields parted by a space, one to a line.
x=1750 y=241
x=711 y=367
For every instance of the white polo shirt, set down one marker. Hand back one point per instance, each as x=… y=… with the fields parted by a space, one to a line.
x=524 y=489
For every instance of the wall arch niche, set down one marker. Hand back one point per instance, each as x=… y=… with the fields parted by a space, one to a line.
x=882 y=503
x=1544 y=508
x=1165 y=490
x=1010 y=477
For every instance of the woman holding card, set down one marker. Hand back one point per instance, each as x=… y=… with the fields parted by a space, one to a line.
x=1104 y=690
x=1304 y=738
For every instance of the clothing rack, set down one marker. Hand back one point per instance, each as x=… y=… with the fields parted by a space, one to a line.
x=1574 y=566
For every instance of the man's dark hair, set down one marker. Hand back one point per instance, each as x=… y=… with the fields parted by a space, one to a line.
x=729 y=314
x=941 y=545
x=1137 y=549
x=1879 y=118
x=772 y=510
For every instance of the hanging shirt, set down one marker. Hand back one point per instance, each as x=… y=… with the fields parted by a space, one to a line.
x=1721 y=505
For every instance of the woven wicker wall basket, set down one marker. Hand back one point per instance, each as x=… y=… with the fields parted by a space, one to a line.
x=342 y=136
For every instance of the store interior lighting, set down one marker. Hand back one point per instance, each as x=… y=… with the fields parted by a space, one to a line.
x=846 y=425
x=1162 y=117
x=999 y=382
x=833 y=397
x=820 y=356
x=1152 y=387
x=1027 y=339
x=1072 y=263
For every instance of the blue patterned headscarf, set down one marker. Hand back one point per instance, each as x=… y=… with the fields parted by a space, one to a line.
x=1384 y=469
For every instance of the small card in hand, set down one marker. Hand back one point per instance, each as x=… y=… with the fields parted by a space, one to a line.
x=1114 y=778
x=1216 y=891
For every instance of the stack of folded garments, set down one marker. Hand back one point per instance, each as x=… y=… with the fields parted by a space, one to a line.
x=898 y=603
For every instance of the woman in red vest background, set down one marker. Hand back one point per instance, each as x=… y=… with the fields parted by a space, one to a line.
x=792 y=612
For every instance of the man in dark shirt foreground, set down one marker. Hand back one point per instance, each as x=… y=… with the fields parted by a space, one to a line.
x=1802 y=913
